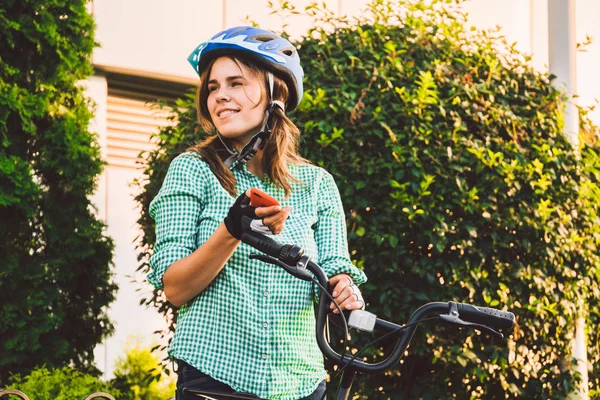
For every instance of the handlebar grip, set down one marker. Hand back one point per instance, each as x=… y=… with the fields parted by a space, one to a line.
x=262 y=243
x=491 y=317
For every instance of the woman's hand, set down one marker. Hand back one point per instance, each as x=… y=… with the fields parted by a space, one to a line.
x=345 y=293
x=264 y=220
x=273 y=217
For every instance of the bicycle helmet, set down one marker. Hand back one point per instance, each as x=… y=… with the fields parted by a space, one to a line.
x=259 y=45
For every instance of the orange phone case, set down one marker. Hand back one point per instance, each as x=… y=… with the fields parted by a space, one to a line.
x=259 y=198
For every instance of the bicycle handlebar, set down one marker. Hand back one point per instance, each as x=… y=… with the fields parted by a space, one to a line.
x=486 y=316
x=291 y=255
x=286 y=253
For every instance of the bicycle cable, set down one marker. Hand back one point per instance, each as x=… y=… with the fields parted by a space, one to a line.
x=342 y=368
x=341 y=314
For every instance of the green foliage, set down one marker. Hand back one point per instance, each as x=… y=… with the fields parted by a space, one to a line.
x=54 y=275
x=60 y=384
x=138 y=376
x=458 y=185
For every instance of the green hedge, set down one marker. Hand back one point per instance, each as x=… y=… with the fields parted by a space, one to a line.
x=138 y=375
x=60 y=384
x=55 y=280
x=458 y=185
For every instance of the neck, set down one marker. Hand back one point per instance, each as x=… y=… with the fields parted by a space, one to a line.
x=255 y=165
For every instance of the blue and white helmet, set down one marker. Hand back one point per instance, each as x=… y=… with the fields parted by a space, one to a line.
x=259 y=45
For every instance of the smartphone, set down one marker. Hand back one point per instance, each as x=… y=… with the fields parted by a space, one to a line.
x=259 y=198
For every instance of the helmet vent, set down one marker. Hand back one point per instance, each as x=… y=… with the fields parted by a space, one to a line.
x=263 y=38
x=288 y=52
x=237 y=31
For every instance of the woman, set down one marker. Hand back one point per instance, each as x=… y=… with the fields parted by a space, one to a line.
x=245 y=326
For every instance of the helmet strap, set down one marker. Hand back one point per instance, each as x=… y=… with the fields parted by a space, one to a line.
x=258 y=141
x=271 y=84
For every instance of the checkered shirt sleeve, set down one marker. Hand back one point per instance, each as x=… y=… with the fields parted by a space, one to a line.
x=176 y=210
x=330 y=233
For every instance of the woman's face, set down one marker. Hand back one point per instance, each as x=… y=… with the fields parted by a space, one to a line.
x=236 y=102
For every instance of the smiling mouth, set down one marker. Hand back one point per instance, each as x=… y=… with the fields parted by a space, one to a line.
x=226 y=113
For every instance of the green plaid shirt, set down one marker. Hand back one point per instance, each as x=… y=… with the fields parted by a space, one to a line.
x=253 y=327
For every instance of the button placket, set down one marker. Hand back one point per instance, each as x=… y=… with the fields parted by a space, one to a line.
x=268 y=297
x=264 y=294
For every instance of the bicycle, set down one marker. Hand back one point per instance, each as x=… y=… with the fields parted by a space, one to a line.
x=292 y=259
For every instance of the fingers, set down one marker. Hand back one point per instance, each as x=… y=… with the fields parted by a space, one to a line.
x=339 y=282
x=274 y=217
x=345 y=299
x=345 y=293
x=266 y=211
x=353 y=305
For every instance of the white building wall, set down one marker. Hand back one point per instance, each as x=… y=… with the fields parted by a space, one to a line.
x=526 y=23
x=156 y=36
x=587 y=14
x=153 y=35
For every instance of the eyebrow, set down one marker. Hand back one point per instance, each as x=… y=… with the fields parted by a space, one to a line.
x=229 y=79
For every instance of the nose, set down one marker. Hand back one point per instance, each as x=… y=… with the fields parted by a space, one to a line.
x=222 y=95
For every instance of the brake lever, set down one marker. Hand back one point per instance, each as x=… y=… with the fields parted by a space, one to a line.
x=453 y=318
x=299 y=270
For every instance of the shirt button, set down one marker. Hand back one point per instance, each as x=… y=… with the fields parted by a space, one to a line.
x=266 y=294
x=265 y=324
x=265 y=356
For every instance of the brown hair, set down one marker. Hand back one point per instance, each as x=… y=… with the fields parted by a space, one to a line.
x=280 y=149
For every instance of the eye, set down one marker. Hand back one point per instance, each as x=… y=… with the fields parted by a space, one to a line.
x=211 y=89
x=236 y=83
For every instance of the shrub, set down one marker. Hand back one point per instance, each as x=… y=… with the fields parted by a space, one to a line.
x=55 y=280
x=59 y=384
x=138 y=375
